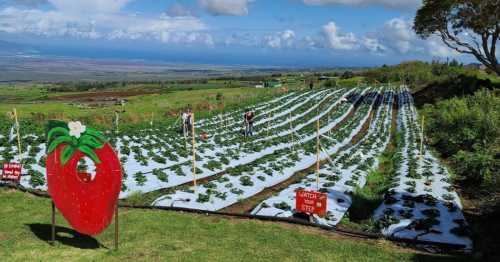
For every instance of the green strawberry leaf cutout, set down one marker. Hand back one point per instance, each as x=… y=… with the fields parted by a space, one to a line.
x=59 y=133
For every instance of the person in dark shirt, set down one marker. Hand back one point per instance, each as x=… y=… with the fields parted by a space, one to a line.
x=248 y=120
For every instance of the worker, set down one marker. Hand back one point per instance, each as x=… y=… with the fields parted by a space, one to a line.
x=184 y=117
x=189 y=120
x=248 y=120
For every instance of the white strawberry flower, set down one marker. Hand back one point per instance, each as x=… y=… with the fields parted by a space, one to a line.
x=76 y=129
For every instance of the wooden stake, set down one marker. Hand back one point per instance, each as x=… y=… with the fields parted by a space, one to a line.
x=317 y=154
x=53 y=235
x=329 y=120
x=291 y=131
x=116 y=227
x=268 y=123
x=194 y=153
x=117 y=120
x=422 y=138
x=18 y=136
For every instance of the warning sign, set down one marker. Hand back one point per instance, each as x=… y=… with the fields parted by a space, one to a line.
x=311 y=202
x=11 y=171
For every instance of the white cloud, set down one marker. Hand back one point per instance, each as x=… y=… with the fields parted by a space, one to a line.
x=281 y=39
x=398 y=4
x=338 y=40
x=104 y=26
x=398 y=34
x=373 y=45
x=226 y=7
x=437 y=48
x=178 y=9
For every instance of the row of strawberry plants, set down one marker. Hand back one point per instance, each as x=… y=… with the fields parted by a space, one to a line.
x=247 y=180
x=341 y=174
x=422 y=203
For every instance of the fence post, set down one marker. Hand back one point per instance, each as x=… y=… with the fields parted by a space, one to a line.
x=422 y=138
x=317 y=154
x=18 y=135
x=194 y=153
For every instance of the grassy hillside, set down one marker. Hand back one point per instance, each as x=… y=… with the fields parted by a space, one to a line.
x=170 y=236
x=36 y=104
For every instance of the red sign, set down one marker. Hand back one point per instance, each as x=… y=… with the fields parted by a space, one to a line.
x=310 y=202
x=11 y=171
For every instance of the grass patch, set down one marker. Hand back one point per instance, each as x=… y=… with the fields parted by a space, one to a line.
x=168 y=236
x=365 y=200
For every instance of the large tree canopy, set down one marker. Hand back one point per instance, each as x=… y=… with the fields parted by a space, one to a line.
x=467 y=26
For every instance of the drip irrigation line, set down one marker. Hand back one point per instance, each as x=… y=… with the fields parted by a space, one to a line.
x=332 y=229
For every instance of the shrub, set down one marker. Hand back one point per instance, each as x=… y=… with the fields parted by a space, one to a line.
x=466 y=130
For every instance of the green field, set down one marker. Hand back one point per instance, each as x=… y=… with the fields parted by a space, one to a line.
x=35 y=103
x=169 y=236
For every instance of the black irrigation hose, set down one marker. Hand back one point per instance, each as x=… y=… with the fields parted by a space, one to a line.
x=334 y=229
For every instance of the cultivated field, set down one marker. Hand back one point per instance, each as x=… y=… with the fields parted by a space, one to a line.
x=346 y=130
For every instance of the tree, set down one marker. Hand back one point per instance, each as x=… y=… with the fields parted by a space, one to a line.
x=347 y=75
x=467 y=26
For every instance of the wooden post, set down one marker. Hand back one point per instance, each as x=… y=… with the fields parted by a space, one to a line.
x=117 y=120
x=116 y=227
x=194 y=153
x=317 y=153
x=329 y=120
x=268 y=123
x=422 y=138
x=291 y=131
x=53 y=227
x=18 y=135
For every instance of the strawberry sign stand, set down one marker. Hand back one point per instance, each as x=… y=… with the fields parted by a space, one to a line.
x=88 y=204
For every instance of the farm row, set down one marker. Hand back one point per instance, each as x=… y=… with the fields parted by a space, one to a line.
x=346 y=130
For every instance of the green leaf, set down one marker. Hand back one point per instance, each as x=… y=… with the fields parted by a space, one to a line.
x=66 y=154
x=96 y=134
x=59 y=140
x=90 y=141
x=51 y=124
x=90 y=153
x=57 y=131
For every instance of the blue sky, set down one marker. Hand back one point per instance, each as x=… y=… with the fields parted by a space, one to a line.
x=257 y=32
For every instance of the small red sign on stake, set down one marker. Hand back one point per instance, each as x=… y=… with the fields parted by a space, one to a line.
x=11 y=171
x=310 y=202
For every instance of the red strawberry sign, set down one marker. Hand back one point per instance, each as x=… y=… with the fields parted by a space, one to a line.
x=87 y=203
